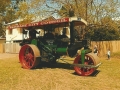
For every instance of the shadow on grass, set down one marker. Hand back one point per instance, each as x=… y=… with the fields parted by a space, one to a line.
x=56 y=65
x=63 y=66
x=94 y=74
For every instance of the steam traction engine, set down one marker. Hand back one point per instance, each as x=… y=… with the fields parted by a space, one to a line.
x=49 y=48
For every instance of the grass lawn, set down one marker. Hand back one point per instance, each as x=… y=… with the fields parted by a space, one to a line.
x=58 y=77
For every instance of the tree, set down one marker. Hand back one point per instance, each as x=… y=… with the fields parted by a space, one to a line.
x=100 y=12
x=34 y=9
x=107 y=21
x=3 y=5
x=102 y=33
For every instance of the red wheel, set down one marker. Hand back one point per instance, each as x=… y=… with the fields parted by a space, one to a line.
x=90 y=59
x=29 y=56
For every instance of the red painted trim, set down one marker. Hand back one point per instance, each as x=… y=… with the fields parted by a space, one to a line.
x=40 y=23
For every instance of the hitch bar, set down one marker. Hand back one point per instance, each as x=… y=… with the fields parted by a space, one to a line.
x=86 y=66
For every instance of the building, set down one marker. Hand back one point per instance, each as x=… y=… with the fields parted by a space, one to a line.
x=16 y=35
x=13 y=34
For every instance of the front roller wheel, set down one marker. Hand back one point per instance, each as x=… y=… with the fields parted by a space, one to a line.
x=29 y=56
x=90 y=59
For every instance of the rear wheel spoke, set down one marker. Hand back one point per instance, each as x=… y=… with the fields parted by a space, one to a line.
x=27 y=56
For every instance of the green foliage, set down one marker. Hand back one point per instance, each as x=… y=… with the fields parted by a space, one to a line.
x=7 y=13
x=3 y=5
x=102 y=33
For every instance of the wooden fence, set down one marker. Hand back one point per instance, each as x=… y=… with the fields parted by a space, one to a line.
x=103 y=46
x=9 y=48
x=2 y=50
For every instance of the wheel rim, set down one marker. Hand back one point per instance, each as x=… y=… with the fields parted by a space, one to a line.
x=28 y=57
x=89 y=60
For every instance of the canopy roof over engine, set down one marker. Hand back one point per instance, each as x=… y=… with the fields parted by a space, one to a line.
x=77 y=20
